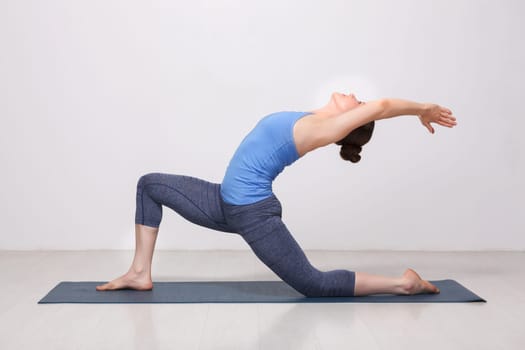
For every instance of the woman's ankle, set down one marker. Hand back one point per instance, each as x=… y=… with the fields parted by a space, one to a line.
x=139 y=271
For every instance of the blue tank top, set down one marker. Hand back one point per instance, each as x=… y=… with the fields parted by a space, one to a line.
x=261 y=156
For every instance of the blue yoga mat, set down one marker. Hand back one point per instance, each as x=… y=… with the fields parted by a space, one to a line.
x=239 y=292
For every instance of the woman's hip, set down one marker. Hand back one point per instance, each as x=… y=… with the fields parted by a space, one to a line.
x=247 y=217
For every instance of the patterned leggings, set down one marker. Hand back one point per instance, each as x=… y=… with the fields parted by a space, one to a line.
x=259 y=224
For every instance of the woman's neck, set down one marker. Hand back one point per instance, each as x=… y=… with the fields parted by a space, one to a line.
x=324 y=113
x=329 y=110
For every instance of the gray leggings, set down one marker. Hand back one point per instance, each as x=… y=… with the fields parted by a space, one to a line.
x=259 y=224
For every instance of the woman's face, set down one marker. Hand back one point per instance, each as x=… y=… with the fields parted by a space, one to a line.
x=344 y=102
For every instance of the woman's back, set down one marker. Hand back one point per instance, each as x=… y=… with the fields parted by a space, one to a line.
x=261 y=156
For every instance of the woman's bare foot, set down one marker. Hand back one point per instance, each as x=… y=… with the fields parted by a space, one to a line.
x=413 y=284
x=131 y=280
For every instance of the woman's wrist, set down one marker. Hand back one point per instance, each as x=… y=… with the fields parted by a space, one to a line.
x=395 y=107
x=425 y=107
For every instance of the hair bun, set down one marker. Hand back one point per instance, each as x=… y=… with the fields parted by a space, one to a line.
x=351 y=143
x=351 y=152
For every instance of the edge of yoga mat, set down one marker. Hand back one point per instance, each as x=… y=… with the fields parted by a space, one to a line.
x=238 y=292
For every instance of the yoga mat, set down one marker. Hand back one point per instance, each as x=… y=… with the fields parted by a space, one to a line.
x=239 y=292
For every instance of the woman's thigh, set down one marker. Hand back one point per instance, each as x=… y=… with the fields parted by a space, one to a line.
x=196 y=200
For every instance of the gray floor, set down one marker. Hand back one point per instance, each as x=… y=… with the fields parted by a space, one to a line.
x=498 y=277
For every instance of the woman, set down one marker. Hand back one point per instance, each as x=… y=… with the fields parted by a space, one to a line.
x=245 y=204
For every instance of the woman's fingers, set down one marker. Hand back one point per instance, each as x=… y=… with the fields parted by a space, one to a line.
x=429 y=127
x=441 y=121
x=446 y=110
x=441 y=116
x=446 y=123
x=448 y=119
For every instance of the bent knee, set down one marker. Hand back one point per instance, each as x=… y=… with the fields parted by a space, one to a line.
x=337 y=283
x=311 y=291
x=311 y=287
x=148 y=179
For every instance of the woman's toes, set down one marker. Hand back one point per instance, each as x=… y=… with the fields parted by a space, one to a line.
x=107 y=286
x=103 y=286
x=414 y=284
x=431 y=288
x=128 y=282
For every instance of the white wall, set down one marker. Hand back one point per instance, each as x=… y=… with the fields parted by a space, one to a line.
x=96 y=93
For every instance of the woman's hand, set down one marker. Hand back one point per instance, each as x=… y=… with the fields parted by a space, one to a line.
x=434 y=113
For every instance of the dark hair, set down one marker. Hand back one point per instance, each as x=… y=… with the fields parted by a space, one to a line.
x=351 y=144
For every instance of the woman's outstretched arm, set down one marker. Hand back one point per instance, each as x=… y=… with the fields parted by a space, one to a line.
x=427 y=112
x=335 y=128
